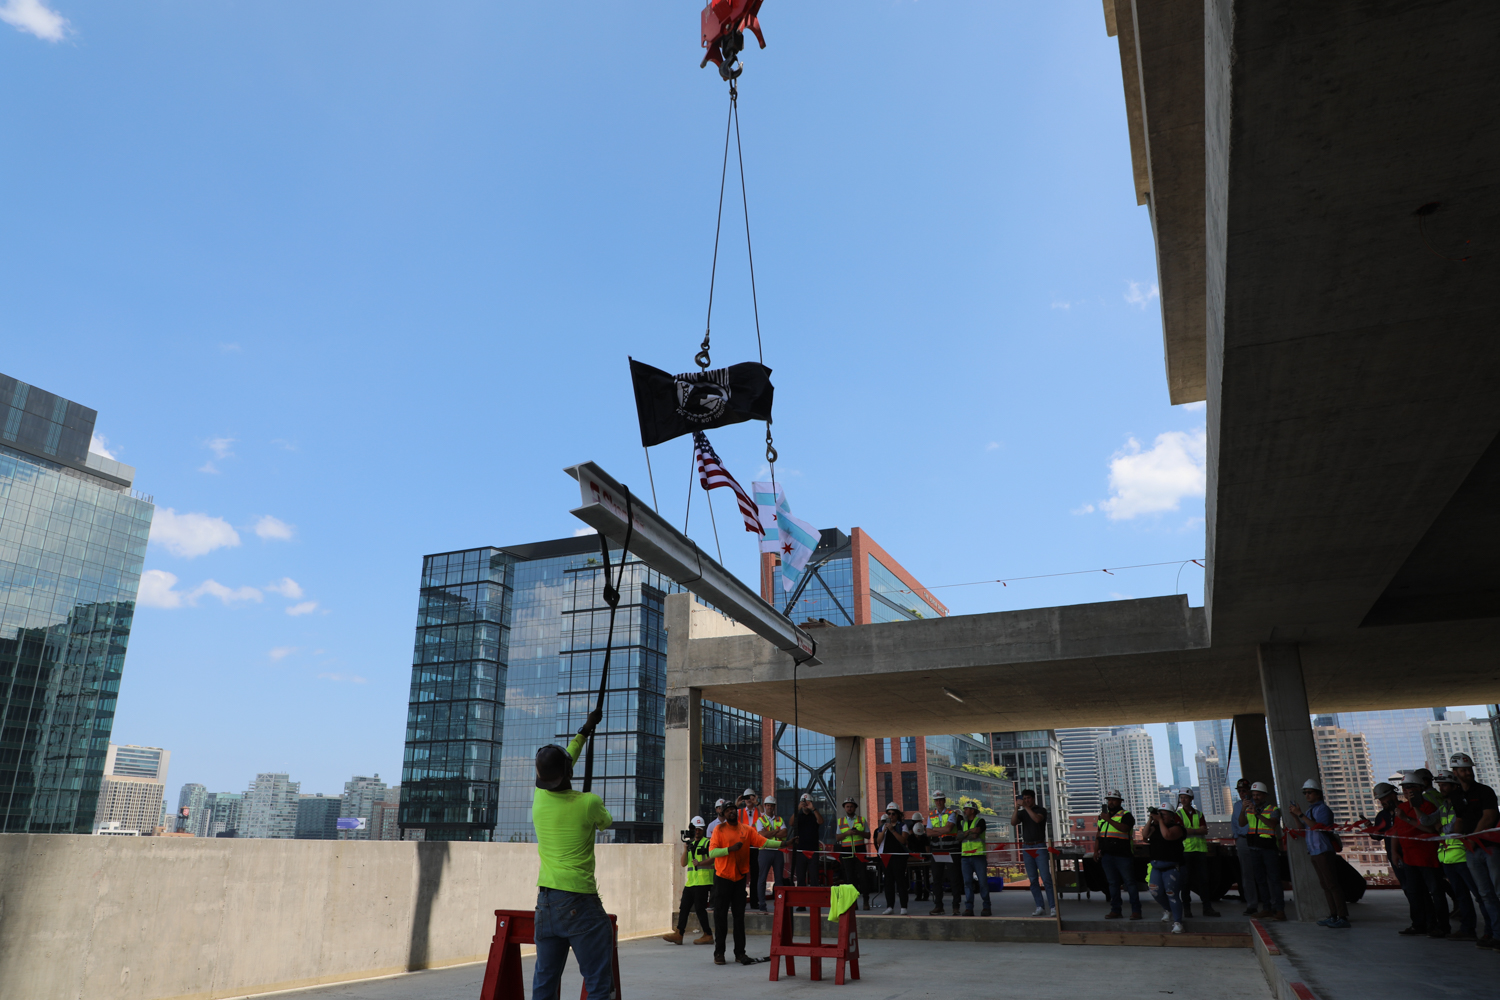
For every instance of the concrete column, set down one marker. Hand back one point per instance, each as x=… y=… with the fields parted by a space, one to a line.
x=849 y=773
x=1253 y=751
x=684 y=732
x=1294 y=757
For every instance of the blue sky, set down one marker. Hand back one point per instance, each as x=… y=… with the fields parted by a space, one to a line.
x=353 y=282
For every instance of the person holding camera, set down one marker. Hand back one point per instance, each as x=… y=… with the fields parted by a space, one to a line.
x=700 y=876
x=1031 y=821
x=1164 y=832
x=891 y=841
x=569 y=913
x=1116 y=856
x=807 y=832
x=730 y=847
x=772 y=827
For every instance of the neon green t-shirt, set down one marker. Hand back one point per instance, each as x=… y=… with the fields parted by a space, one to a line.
x=565 y=823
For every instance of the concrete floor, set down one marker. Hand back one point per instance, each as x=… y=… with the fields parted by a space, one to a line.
x=653 y=970
x=1372 y=959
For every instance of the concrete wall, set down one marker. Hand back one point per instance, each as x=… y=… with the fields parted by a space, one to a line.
x=157 y=918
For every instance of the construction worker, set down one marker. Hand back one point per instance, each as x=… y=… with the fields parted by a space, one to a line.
x=750 y=816
x=1241 y=832
x=942 y=840
x=1164 y=832
x=772 y=827
x=700 y=876
x=973 y=859
x=1116 y=856
x=719 y=806
x=1195 y=871
x=730 y=847
x=1384 y=826
x=1417 y=820
x=1030 y=821
x=1263 y=821
x=851 y=835
x=1454 y=859
x=1323 y=849
x=892 y=838
x=807 y=831
x=568 y=911
x=1479 y=812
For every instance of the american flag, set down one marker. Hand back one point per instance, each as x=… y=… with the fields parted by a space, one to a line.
x=711 y=474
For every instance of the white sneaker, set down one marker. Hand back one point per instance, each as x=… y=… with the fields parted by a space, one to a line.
x=1166 y=915
x=1176 y=928
x=1037 y=912
x=903 y=911
x=887 y=911
x=1053 y=913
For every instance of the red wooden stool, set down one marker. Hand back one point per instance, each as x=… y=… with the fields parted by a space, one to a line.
x=844 y=950
x=502 y=974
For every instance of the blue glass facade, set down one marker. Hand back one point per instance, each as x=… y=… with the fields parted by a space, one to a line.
x=1395 y=737
x=72 y=543
x=893 y=601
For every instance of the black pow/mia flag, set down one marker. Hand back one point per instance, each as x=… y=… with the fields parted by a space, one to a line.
x=672 y=405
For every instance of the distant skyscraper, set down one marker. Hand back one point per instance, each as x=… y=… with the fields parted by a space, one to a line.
x=1217 y=732
x=1080 y=753
x=1460 y=734
x=385 y=817
x=1127 y=763
x=1344 y=764
x=318 y=817
x=133 y=787
x=271 y=807
x=72 y=538
x=226 y=814
x=194 y=798
x=1213 y=792
x=1395 y=737
x=1182 y=775
x=360 y=796
x=1033 y=759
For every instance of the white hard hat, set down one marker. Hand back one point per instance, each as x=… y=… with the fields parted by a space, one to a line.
x=850 y=801
x=939 y=794
x=1115 y=794
x=1460 y=760
x=1445 y=776
x=719 y=804
x=1383 y=789
x=1260 y=786
x=768 y=802
x=1311 y=785
x=697 y=821
x=1410 y=778
x=750 y=791
x=1186 y=791
x=805 y=797
x=892 y=807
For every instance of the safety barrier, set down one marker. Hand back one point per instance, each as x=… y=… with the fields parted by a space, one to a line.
x=502 y=973
x=844 y=951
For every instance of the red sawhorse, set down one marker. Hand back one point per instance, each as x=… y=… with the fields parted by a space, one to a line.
x=502 y=975
x=844 y=950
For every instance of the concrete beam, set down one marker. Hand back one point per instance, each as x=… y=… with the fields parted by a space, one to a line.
x=1294 y=755
x=1253 y=749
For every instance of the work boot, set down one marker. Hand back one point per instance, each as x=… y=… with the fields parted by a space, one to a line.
x=705 y=939
x=1410 y=931
x=673 y=938
x=1463 y=936
x=936 y=910
x=1135 y=916
x=719 y=960
x=744 y=959
x=985 y=912
x=1279 y=915
x=1187 y=910
x=969 y=912
x=1209 y=911
x=1439 y=933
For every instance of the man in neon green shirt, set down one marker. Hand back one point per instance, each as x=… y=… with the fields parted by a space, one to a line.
x=568 y=911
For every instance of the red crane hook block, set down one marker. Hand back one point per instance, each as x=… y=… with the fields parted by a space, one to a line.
x=724 y=25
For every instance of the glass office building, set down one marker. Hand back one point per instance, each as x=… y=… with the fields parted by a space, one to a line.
x=1395 y=736
x=72 y=540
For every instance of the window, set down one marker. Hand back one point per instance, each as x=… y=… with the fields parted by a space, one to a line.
x=908 y=749
x=883 y=750
x=910 y=801
x=887 y=793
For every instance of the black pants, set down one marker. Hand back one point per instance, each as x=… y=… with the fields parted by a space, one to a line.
x=895 y=880
x=1194 y=869
x=853 y=871
x=922 y=876
x=1427 y=898
x=757 y=883
x=729 y=896
x=804 y=869
x=946 y=870
x=695 y=899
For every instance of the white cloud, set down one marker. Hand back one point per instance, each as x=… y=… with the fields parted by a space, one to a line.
x=1060 y=304
x=35 y=18
x=273 y=527
x=1138 y=294
x=229 y=348
x=286 y=587
x=305 y=608
x=156 y=590
x=220 y=447
x=1197 y=407
x=1156 y=480
x=1087 y=508
x=284 y=444
x=281 y=652
x=99 y=445
x=209 y=467
x=992 y=446
x=350 y=678
x=191 y=535
x=581 y=532
x=214 y=588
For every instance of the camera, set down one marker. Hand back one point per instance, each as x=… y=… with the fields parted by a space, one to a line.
x=688 y=836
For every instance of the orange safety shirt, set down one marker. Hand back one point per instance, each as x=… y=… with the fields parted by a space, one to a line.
x=736 y=864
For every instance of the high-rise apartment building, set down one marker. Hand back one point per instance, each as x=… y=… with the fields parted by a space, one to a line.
x=318 y=817
x=133 y=787
x=194 y=798
x=226 y=814
x=1219 y=732
x=360 y=795
x=1033 y=759
x=1182 y=775
x=385 y=815
x=271 y=805
x=1127 y=763
x=1344 y=765
x=1394 y=736
x=1214 y=797
x=1458 y=733
x=1080 y=753
x=72 y=540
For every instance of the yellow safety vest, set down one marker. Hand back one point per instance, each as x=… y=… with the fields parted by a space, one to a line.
x=1255 y=819
x=1191 y=843
x=941 y=817
x=775 y=826
x=1450 y=851
x=852 y=824
x=1114 y=826
x=971 y=847
x=697 y=853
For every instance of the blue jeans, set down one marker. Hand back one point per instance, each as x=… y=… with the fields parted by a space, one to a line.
x=1120 y=871
x=1484 y=870
x=1165 y=879
x=572 y=920
x=1265 y=874
x=1034 y=857
x=977 y=865
x=1462 y=884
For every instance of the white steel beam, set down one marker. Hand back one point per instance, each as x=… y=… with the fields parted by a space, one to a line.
x=669 y=551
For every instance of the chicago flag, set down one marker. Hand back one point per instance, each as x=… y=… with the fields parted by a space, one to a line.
x=792 y=538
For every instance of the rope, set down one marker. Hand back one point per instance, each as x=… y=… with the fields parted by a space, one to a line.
x=652 y=476
x=612 y=598
x=692 y=471
x=714 y=521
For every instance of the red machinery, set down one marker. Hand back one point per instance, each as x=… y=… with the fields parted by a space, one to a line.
x=724 y=25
